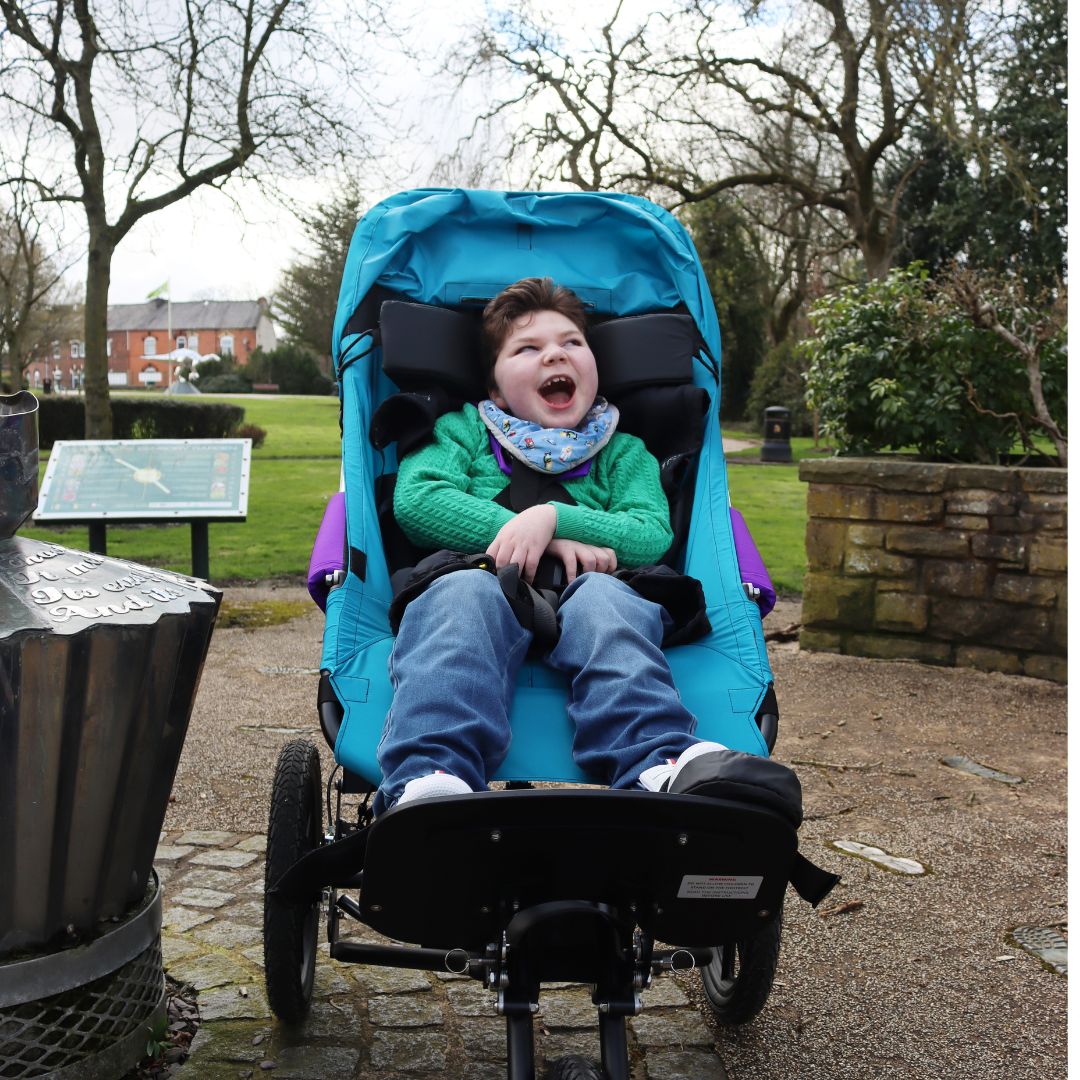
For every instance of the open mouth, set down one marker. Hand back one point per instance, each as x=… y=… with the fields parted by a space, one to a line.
x=558 y=391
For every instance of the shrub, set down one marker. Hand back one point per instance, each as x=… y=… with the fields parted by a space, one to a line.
x=892 y=366
x=139 y=418
x=781 y=380
x=256 y=434
x=292 y=367
x=231 y=382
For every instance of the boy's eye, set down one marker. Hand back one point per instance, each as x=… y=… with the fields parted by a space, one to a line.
x=526 y=348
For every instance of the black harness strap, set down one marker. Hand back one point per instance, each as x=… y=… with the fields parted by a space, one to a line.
x=530 y=487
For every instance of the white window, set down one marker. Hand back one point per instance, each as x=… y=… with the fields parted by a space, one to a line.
x=149 y=346
x=108 y=346
x=118 y=378
x=181 y=341
x=74 y=350
x=226 y=344
x=37 y=376
x=193 y=342
x=56 y=350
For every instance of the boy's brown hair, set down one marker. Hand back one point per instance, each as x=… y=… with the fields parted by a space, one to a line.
x=523 y=298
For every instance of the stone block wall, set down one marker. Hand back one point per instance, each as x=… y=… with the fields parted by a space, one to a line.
x=948 y=564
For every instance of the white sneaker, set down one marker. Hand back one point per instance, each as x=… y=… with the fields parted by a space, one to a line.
x=432 y=786
x=660 y=777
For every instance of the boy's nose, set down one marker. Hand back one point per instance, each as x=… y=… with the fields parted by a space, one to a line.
x=554 y=352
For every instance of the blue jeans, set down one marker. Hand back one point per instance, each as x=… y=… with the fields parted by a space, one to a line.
x=456 y=659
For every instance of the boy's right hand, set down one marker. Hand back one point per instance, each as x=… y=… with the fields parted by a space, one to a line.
x=524 y=538
x=574 y=554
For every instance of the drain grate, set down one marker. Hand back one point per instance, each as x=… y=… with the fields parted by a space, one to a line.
x=66 y=1029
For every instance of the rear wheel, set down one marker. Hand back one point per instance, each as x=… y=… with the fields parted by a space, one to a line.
x=739 y=978
x=574 y=1068
x=290 y=930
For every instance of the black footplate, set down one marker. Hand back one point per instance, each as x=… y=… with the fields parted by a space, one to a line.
x=690 y=870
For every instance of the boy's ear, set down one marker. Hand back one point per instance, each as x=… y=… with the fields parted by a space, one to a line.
x=495 y=396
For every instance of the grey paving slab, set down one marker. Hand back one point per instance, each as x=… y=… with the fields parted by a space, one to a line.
x=408 y=1051
x=228 y=857
x=207 y=838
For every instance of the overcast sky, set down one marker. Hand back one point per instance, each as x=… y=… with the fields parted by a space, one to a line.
x=234 y=246
x=209 y=247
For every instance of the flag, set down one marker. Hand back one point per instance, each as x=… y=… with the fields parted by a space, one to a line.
x=162 y=288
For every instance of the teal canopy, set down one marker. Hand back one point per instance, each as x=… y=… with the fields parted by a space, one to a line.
x=623 y=256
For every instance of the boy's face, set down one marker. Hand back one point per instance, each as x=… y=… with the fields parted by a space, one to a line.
x=545 y=372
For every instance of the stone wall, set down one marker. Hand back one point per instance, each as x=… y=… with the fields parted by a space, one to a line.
x=948 y=564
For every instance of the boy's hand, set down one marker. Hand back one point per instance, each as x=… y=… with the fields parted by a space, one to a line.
x=573 y=553
x=524 y=538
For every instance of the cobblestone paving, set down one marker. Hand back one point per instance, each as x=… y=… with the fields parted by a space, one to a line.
x=370 y=1022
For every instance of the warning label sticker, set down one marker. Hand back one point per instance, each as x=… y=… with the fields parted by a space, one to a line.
x=718 y=887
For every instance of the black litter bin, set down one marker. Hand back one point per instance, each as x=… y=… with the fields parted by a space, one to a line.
x=99 y=664
x=777 y=444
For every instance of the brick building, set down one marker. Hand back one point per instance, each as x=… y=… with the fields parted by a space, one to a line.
x=139 y=341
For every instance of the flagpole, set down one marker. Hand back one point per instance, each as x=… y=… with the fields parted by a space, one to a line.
x=169 y=295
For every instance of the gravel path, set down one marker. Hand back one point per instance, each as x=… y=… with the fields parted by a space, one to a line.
x=917 y=978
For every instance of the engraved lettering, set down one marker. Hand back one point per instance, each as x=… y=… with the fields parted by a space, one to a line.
x=80 y=594
x=70 y=611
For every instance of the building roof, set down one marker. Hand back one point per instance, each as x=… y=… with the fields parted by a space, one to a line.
x=188 y=315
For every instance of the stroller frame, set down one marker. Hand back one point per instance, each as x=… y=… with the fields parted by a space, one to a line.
x=542 y=884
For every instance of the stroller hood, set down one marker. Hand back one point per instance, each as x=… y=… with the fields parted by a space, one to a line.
x=621 y=254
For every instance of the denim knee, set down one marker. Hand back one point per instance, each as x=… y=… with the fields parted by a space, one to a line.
x=461 y=590
x=595 y=602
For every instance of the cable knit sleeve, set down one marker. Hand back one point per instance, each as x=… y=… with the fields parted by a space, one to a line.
x=438 y=500
x=635 y=521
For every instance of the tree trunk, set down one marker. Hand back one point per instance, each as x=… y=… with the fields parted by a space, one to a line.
x=95 y=334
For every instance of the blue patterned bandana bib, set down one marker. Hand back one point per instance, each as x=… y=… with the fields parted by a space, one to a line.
x=552 y=450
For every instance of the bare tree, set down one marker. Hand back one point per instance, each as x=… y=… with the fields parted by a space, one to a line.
x=134 y=105
x=668 y=106
x=1000 y=305
x=31 y=271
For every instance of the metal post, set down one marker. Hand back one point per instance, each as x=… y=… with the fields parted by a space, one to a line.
x=613 y=1051
x=97 y=537
x=200 y=550
x=520 y=1063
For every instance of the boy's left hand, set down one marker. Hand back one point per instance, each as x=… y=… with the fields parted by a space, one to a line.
x=574 y=554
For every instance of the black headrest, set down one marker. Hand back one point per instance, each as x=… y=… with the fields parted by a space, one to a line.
x=644 y=350
x=425 y=346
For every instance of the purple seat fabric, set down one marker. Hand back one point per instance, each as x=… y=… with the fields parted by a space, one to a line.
x=328 y=554
x=751 y=565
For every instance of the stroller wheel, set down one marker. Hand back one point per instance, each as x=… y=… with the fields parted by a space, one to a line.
x=574 y=1068
x=739 y=978
x=290 y=930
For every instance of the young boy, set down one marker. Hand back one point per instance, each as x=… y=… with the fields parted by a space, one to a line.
x=459 y=646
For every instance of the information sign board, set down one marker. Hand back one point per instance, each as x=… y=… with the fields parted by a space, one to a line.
x=146 y=480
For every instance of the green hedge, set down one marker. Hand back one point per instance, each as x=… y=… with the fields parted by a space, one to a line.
x=152 y=418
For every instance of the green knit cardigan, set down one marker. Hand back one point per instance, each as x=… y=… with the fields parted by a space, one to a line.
x=444 y=492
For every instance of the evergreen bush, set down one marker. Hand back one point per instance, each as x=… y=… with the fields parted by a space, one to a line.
x=894 y=365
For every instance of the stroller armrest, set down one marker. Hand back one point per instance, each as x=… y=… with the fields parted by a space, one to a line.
x=328 y=552
x=751 y=565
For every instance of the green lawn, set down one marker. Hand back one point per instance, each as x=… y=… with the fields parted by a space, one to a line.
x=773 y=501
x=297 y=469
